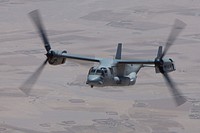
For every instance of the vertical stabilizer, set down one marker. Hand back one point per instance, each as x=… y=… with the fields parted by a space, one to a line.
x=119 y=51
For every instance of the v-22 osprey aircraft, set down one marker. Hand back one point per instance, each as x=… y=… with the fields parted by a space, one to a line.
x=111 y=72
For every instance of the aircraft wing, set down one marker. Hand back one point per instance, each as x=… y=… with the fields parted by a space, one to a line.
x=149 y=62
x=78 y=57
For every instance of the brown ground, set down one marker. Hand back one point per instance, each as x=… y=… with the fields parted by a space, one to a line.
x=61 y=102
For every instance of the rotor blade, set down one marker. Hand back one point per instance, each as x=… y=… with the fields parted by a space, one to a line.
x=28 y=84
x=35 y=16
x=177 y=95
x=159 y=54
x=176 y=30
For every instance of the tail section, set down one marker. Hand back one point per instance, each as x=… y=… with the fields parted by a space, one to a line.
x=119 y=51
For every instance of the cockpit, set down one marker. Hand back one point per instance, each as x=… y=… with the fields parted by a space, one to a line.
x=98 y=71
x=96 y=76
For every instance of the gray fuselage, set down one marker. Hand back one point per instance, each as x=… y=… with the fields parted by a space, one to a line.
x=110 y=73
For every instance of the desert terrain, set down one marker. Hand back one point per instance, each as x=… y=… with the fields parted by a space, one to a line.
x=61 y=102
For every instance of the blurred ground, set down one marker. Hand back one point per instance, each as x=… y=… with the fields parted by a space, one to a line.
x=61 y=102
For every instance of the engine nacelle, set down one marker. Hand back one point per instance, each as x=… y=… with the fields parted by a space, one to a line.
x=165 y=65
x=53 y=60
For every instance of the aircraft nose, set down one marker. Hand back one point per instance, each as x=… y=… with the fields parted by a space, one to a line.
x=94 y=80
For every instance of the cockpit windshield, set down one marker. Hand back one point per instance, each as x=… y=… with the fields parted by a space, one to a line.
x=97 y=71
x=92 y=71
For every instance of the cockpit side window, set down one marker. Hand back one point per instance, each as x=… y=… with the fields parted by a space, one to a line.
x=92 y=71
x=104 y=71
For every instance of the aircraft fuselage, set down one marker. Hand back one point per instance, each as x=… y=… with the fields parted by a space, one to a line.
x=112 y=74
